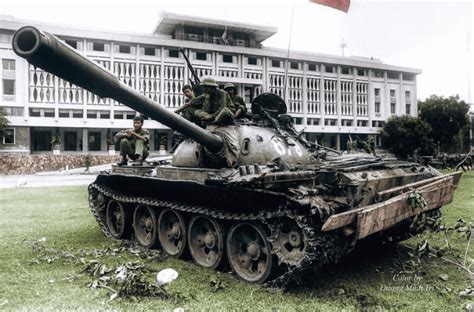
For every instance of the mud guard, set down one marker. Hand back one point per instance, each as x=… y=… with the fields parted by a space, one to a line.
x=383 y=215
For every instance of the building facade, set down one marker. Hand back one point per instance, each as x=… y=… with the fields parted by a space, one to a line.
x=331 y=97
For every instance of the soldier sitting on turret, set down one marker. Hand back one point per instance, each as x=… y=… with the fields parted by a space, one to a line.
x=217 y=108
x=190 y=104
x=238 y=101
x=134 y=142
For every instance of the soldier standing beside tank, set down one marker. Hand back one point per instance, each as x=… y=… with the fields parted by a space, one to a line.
x=134 y=142
x=239 y=102
x=217 y=107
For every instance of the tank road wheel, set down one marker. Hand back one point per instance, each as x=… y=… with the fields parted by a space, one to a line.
x=144 y=224
x=249 y=252
x=289 y=242
x=206 y=241
x=172 y=232
x=118 y=220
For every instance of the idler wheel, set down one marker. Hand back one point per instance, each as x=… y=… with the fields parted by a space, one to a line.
x=249 y=252
x=144 y=224
x=206 y=241
x=118 y=220
x=172 y=232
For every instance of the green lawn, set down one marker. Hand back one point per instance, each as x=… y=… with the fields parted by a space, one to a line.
x=366 y=280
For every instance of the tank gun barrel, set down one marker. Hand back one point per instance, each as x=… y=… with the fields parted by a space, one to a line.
x=49 y=53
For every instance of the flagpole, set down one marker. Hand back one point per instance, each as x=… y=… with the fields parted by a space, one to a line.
x=285 y=88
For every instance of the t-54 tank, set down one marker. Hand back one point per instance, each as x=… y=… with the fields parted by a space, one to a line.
x=254 y=195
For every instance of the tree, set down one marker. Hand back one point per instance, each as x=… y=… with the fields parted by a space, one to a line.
x=3 y=121
x=402 y=135
x=446 y=116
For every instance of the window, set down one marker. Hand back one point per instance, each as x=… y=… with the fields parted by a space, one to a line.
x=104 y=114
x=98 y=46
x=42 y=140
x=124 y=48
x=8 y=64
x=70 y=140
x=9 y=136
x=72 y=43
x=202 y=56
x=14 y=111
x=392 y=75
x=312 y=67
x=118 y=115
x=92 y=114
x=392 y=108
x=361 y=72
x=173 y=53
x=63 y=113
x=150 y=51
x=298 y=121
x=330 y=122
x=312 y=121
x=407 y=97
x=392 y=93
x=49 y=113
x=377 y=100
x=377 y=74
x=275 y=63
x=8 y=87
x=346 y=122
x=294 y=65
x=346 y=71
x=94 y=141
x=408 y=77
x=378 y=124
x=77 y=114
x=407 y=109
x=130 y=115
x=35 y=112
x=329 y=69
x=227 y=58
x=362 y=123
x=252 y=61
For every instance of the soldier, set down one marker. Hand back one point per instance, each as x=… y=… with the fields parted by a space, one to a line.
x=190 y=103
x=239 y=102
x=217 y=107
x=134 y=142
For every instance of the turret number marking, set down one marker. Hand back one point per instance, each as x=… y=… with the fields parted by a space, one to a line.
x=283 y=149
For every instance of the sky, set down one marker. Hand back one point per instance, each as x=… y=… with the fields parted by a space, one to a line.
x=434 y=36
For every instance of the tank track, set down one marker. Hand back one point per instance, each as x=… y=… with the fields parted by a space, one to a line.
x=320 y=248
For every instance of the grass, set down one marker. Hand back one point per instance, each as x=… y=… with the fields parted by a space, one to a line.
x=366 y=280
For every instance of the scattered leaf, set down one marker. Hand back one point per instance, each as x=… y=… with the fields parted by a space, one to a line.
x=444 y=277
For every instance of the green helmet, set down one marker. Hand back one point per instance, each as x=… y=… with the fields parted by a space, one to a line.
x=229 y=85
x=209 y=82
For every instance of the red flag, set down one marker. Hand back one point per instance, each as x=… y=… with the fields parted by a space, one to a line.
x=342 y=5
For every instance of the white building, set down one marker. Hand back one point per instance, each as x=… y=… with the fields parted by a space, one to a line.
x=330 y=96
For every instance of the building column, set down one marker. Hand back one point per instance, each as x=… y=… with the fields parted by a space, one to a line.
x=85 y=140
x=321 y=96
x=338 y=141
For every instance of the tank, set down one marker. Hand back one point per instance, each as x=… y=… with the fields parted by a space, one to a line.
x=254 y=196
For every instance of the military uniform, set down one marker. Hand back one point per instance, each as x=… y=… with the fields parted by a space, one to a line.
x=189 y=113
x=218 y=106
x=237 y=100
x=131 y=146
x=240 y=103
